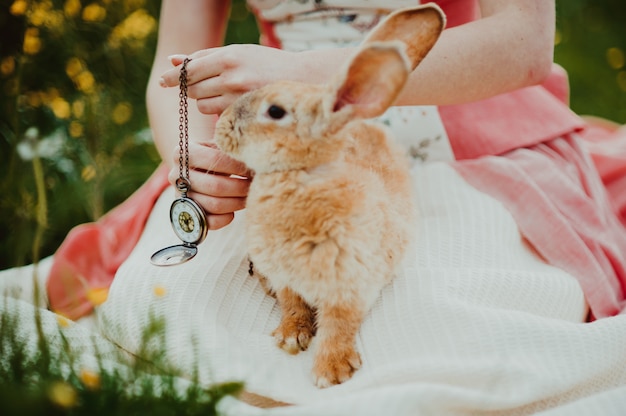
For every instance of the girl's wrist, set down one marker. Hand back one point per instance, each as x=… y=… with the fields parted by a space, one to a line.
x=319 y=66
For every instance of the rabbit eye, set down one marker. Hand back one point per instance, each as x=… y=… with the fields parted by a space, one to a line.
x=276 y=112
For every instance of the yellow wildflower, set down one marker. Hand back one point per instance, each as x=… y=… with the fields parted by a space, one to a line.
x=7 y=66
x=94 y=13
x=32 y=42
x=73 y=67
x=134 y=29
x=122 y=113
x=63 y=321
x=90 y=379
x=159 y=291
x=63 y=394
x=76 y=129
x=38 y=14
x=54 y=21
x=85 y=81
x=72 y=7
x=88 y=173
x=97 y=296
x=60 y=108
x=78 y=108
x=18 y=8
x=615 y=58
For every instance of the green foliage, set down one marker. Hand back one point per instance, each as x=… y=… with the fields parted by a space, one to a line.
x=591 y=45
x=52 y=381
x=73 y=120
x=72 y=81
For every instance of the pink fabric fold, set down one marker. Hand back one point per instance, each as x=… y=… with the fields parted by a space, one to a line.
x=90 y=255
x=521 y=118
x=561 y=206
x=606 y=142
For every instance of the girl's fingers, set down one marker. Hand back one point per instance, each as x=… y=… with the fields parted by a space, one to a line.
x=206 y=157
x=220 y=186
x=213 y=95
x=220 y=210
x=198 y=69
x=203 y=52
x=206 y=88
x=214 y=184
x=217 y=221
x=177 y=59
x=218 y=206
x=214 y=105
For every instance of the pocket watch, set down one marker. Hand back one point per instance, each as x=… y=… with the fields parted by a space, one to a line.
x=189 y=222
x=187 y=217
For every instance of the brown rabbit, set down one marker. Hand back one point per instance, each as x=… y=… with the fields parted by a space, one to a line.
x=330 y=211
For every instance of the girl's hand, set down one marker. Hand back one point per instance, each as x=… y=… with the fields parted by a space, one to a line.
x=218 y=76
x=212 y=182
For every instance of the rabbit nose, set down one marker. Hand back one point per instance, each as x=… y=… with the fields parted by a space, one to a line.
x=241 y=111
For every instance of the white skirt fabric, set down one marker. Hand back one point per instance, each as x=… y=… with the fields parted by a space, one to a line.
x=475 y=322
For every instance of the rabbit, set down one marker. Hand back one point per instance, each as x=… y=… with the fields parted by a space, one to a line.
x=330 y=210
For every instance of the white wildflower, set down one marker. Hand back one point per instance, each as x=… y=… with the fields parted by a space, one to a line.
x=47 y=148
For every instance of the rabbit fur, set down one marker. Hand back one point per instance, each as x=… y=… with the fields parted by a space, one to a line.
x=330 y=211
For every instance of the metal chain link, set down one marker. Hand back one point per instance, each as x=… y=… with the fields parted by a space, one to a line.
x=183 y=131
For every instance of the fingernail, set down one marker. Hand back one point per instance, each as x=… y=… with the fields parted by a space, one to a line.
x=176 y=58
x=162 y=82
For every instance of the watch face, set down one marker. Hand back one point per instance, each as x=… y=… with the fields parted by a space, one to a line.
x=188 y=220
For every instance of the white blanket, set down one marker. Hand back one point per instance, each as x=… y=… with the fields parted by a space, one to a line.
x=474 y=323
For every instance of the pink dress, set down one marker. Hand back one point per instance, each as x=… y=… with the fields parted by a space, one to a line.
x=563 y=180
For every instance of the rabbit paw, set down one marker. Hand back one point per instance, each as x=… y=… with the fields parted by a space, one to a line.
x=336 y=367
x=294 y=334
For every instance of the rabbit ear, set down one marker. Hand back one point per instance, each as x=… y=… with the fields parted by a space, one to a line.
x=379 y=70
x=372 y=81
x=417 y=27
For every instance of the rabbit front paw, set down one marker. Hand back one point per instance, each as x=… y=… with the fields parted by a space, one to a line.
x=336 y=367
x=297 y=325
x=294 y=334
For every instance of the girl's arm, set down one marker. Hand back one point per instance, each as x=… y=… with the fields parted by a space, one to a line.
x=184 y=27
x=509 y=47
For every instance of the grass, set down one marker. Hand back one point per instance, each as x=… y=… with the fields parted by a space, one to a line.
x=42 y=373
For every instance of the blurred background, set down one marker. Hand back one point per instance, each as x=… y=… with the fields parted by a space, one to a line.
x=74 y=136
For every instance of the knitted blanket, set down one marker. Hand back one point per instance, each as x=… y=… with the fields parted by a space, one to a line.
x=474 y=323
